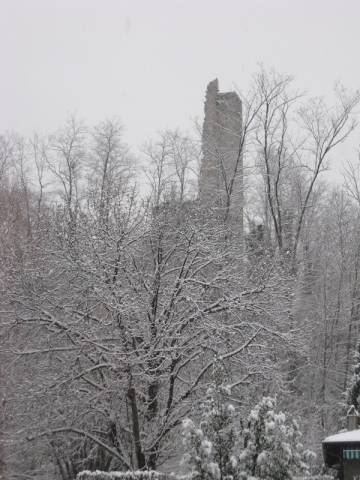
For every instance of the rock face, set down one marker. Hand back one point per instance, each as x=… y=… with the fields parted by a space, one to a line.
x=221 y=171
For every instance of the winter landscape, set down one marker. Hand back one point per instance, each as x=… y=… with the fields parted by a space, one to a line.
x=179 y=240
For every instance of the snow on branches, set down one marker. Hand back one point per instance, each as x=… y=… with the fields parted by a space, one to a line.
x=352 y=393
x=268 y=448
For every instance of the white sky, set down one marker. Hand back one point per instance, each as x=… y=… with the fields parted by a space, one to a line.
x=148 y=61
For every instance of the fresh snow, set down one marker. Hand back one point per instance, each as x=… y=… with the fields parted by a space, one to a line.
x=344 y=437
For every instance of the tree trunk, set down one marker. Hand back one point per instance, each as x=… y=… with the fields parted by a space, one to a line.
x=140 y=457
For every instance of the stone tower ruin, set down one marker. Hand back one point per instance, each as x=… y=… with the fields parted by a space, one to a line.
x=221 y=171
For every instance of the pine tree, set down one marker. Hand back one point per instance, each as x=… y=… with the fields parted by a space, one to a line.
x=352 y=393
x=272 y=447
x=210 y=446
x=269 y=448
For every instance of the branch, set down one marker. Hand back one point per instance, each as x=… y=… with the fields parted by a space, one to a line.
x=83 y=433
x=211 y=363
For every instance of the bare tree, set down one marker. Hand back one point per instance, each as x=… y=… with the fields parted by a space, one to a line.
x=64 y=160
x=287 y=164
x=274 y=146
x=326 y=128
x=130 y=328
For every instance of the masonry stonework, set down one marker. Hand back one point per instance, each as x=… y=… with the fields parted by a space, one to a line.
x=221 y=172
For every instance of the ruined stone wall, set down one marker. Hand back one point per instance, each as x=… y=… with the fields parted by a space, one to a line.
x=221 y=172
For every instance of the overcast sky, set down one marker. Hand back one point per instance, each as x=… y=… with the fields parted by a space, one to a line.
x=149 y=61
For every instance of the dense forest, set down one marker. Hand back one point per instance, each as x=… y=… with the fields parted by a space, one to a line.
x=123 y=298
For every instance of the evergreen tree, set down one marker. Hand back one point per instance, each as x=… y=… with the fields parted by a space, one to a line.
x=272 y=447
x=352 y=393
x=210 y=446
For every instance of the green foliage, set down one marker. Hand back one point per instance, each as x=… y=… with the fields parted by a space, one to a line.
x=353 y=391
x=272 y=445
x=269 y=448
x=210 y=446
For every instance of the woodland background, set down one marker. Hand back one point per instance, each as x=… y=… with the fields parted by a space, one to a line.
x=121 y=293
